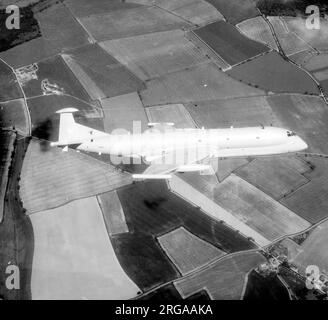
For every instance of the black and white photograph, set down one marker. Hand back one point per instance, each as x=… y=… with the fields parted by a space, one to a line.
x=168 y=153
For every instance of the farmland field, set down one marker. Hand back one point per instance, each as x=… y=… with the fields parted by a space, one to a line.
x=60 y=31
x=198 y=12
x=229 y=43
x=256 y=209
x=82 y=8
x=175 y=113
x=54 y=76
x=236 y=10
x=302 y=58
x=203 y=183
x=8 y=84
x=284 y=77
x=258 y=30
x=318 y=65
x=151 y=211
x=310 y=201
x=113 y=213
x=223 y=280
x=187 y=251
x=154 y=54
x=100 y=74
x=119 y=24
x=315 y=38
x=238 y=112
x=51 y=177
x=305 y=115
x=206 y=51
x=214 y=210
x=151 y=208
x=73 y=256
x=313 y=250
x=195 y=84
x=265 y=288
x=226 y=166
x=273 y=176
x=120 y=112
x=289 y=41
x=14 y=114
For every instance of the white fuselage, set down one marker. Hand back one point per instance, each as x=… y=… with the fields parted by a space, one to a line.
x=232 y=142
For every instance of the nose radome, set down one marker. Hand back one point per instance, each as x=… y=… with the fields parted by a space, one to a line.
x=303 y=145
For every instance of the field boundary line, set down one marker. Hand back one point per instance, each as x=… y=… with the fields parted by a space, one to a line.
x=93 y=40
x=24 y=97
x=211 y=49
x=205 y=267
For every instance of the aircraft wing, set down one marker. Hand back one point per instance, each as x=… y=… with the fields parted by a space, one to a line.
x=168 y=162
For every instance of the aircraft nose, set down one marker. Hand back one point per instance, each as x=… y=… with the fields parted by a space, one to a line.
x=301 y=144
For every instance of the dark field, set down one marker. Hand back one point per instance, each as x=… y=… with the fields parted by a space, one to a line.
x=272 y=73
x=150 y=211
x=229 y=43
x=8 y=84
x=265 y=288
x=143 y=260
x=235 y=10
x=93 y=66
x=59 y=32
x=14 y=114
x=16 y=233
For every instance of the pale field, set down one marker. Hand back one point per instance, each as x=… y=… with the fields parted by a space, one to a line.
x=175 y=113
x=214 y=210
x=290 y=42
x=199 y=83
x=73 y=255
x=273 y=176
x=51 y=178
x=223 y=280
x=256 y=209
x=113 y=213
x=187 y=251
x=120 y=112
x=155 y=54
x=237 y=112
x=131 y=22
x=314 y=250
x=257 y=29
x=315 y=38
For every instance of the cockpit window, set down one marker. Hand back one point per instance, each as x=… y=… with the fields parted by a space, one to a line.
x=291 y=133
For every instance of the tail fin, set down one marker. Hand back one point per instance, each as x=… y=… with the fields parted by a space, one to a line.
x=67 y=126
x=71 y=132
